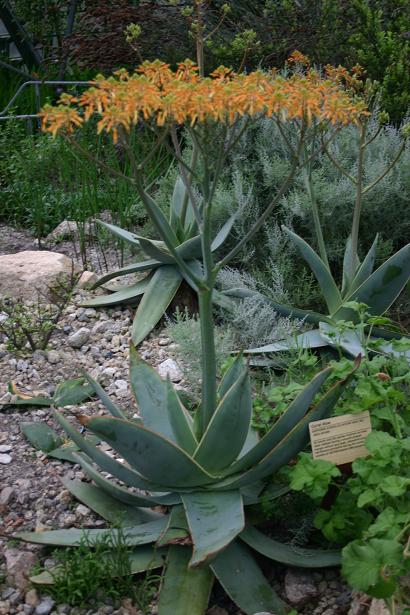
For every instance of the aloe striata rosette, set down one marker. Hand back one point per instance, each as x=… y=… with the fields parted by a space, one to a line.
x=204 y=485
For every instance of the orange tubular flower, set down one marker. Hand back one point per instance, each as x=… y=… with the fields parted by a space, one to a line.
x=156 y=92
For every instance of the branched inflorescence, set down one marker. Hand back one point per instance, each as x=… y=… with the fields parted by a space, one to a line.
x=154 y=91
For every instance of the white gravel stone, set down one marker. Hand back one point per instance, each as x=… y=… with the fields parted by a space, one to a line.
x=53 y=357
x=171 y=369
x=79 y=338
x=5 y=448
x=5 y=459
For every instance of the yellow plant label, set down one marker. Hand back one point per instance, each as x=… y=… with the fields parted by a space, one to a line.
x=340 y=439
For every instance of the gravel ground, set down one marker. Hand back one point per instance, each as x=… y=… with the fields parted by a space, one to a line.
x=31 y=492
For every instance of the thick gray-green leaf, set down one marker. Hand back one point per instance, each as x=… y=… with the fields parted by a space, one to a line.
x=152 y=455
x=223 y=233
x=240 y=576
x=214 y=520
x=291 y=444
x=121 y=296
x=139 y=535
x=381 y=289
x=325 y=279
x=351 y=265
x=348 y=340
x=176 y=529
x=290 y=555
x=157 y=250
x=365 y=268
x=121 y=494
x=190 y=249
x=232 y=375
x=151 y=395
x=106 y=463
x=121 y=233
x=106 y=400
x=185 y=591
x=228 y=428
x=308 y=339
x=297 y=409
x=134 y=268
x=159 y=220
x=157 y=297
x=41 y=436
x=181 y=421
x=177 y=201
x=109 y=508
x=71 y=393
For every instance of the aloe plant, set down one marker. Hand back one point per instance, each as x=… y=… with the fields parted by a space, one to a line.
x=203 y=481
x=162 y=276
x=376 y=289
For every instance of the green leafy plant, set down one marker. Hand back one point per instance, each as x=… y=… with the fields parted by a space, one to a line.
x=32 y=324
x=197 y=478
x=96 y=570
x=160 y=285
x=360 y=284
x=372 y=508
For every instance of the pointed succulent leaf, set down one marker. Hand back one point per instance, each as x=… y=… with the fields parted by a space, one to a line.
x=214 y=520
x=348 y=340
x=291 y=444
x=109 y=508
x=177 y=202
x=228 y=428
x=308 y=339
x=157 y=297
x=181 y=421
x=242 y=579
x=155 y=457
x=325 y=279
x=136 y=535
x=106 y=463
x=290 y=555
x=157 y=250
x=223 y=233
x=151 y=395
x=185 y=591
x=290 y=418
x=121 y=233
x=381 y=288
x=350 y=263
x=365 y=269
x=232 y=375
x=159 y=220
x=120 y=493
x=106 y=400
x=134 y=268
x=251 y=441
x=121 y=296
x=41 y=436
x=176 y=529
x=190 y=249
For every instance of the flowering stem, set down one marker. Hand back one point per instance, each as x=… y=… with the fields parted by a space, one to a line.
x=354 y=258
x=307 y=176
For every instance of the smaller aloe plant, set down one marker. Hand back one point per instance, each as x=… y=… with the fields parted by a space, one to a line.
x=204 y=483
x=377 y=290
x=162 y=275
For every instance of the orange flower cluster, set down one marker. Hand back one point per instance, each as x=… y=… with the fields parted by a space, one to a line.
x=182 y=96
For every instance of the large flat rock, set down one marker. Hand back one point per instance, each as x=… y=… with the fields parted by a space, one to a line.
x=24 y=274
